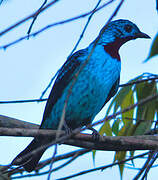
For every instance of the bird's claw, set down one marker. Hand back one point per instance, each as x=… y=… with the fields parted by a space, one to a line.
x=67 y=129
x=95 y=134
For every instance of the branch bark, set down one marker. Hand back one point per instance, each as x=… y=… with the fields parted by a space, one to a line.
x=6 y=122
x=106 y=143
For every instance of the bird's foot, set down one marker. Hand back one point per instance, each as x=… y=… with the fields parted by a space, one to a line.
x=95 y=134
x=67 y=129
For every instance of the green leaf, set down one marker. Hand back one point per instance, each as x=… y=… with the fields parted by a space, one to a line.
x=154 y=48
x=127 y=101
x=115 y=126
x=145 y=114
x=117 y=101
x=93 y=156
x=106 y=128
x=119 y=156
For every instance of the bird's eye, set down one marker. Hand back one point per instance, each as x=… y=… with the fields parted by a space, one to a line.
x=128 y=28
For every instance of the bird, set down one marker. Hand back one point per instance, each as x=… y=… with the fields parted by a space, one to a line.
x=99 y=67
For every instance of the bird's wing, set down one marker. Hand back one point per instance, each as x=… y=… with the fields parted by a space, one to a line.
x=113 y=90
x=66 y=73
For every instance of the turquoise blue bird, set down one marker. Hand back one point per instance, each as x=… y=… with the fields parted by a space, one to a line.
x=96 y=84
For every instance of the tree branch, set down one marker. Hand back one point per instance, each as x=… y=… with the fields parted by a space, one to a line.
x=86 y=141
x=106 y=143
x=6 y=122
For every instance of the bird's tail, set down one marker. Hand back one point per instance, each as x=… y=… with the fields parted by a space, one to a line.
x=27 y=158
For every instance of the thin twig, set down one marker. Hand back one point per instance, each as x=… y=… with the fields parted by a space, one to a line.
x=136 y=119
x=51 y=162
x=49 y=85
x=102 y=167
x=45 y=99
x=62 y=157
x=85 y=27
x=23 y=101
x=46 y=162
x=27 y=18
x=138 y=81
x=48 y=26
x=150 y=165
x=35 y=17
x=46 y=172
x=141 y=102
x=144 y=166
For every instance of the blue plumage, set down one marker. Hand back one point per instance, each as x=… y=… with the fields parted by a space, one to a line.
x=97 y=82
x=89 y=92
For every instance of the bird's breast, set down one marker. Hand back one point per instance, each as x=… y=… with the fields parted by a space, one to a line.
x=93 y=85
x=89 y=92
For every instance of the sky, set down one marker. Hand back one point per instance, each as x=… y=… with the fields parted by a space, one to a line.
x=27 y=67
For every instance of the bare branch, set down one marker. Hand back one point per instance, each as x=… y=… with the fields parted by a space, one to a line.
x=6 y=122
x=52 y=162
x=49 y=85
x=102 y=167
x=106 y=143
x=35 y=17
x=88 y=21
x=45 y=99
x=139 y=81
x=27 y=18
x=44 y=163
x=63 y=156
x=46 y=172
x=46 y=27
x=144 y=166
x=23 y=101
x=153 y=159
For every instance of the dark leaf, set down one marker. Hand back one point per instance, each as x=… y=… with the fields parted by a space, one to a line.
x=145 y=114
x=154 y=48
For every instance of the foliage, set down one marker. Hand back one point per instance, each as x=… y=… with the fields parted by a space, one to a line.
x=154 y=48
x=137 y=121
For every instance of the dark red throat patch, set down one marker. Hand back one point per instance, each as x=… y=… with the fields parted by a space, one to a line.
x=113 y=48
x=113 y=51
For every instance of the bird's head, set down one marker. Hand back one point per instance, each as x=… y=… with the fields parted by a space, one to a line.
x=119 y=32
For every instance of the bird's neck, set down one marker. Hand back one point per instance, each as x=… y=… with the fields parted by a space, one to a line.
x=113 y=49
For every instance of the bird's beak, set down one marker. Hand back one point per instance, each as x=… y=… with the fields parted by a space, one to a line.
x=142 y=35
